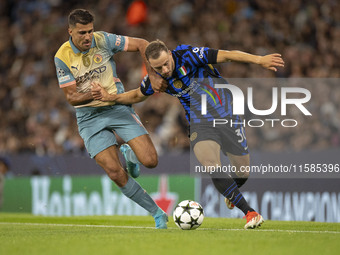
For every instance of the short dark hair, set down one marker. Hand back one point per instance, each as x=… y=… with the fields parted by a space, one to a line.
x=154 y=49
x=81 y=16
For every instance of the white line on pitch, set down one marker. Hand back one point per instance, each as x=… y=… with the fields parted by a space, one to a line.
x=74 y=225
x=275 y=230
x=200 y=229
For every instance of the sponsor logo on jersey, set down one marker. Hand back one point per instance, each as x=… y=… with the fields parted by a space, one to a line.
x=75 y=67
x=88 y=77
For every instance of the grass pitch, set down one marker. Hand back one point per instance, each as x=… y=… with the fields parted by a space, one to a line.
x=28 y=234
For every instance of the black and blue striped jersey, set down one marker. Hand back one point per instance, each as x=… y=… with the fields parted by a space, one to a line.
x=193 y=77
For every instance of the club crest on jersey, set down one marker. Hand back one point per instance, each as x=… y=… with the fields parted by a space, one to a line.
x=183 y=70
x=97 y=58
x=178 y=84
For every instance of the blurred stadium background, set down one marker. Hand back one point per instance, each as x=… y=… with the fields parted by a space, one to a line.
x=38 y=131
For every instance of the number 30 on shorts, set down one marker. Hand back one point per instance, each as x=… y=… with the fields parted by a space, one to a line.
x=240 y=133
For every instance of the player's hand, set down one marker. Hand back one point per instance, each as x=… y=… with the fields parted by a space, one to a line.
x=96 y=91
x=99 y=93
x=158 y=84
x=272 y=61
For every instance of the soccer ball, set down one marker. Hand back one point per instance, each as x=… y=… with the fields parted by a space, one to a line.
x=188 y=215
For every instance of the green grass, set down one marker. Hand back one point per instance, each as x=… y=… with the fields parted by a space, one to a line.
x=28 y=234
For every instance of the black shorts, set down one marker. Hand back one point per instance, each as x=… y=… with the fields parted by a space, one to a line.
x=231 y=139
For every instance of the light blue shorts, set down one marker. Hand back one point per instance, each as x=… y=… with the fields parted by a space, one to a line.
x=96 y=126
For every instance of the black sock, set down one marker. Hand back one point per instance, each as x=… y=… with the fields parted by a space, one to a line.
x=228 y=188
x=239 y=181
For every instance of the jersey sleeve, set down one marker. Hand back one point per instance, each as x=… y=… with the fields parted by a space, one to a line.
x=203 y=55
x=64 y=75
x=116 y=43
x=145 y=87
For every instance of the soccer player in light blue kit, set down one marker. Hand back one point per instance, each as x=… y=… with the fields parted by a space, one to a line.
x=85 y=58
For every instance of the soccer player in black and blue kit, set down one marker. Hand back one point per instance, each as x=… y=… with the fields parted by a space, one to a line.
x=189 y=74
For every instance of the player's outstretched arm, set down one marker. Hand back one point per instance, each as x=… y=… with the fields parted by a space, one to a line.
x=271 y=61
x=131 y=97
x=157 y=82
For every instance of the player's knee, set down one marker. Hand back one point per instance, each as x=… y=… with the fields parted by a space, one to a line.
x=246 y=174
x=151 y=161
x=243 y=174
x=113 y=170
x=114 y=174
